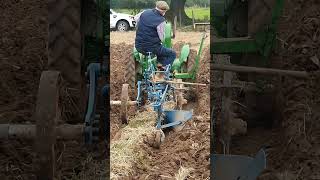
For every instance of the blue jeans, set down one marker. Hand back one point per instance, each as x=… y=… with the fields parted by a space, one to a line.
x=165 y=55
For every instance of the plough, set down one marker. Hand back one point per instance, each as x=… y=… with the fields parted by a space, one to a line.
x=157 y=94
x=140 y=75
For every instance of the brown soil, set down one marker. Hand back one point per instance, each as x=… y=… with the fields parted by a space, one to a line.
x=299 y=29
x=23 y=57
x=188 y=148
x=128 y=37
x=119 y=55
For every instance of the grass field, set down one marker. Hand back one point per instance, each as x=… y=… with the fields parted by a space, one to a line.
x=199 y=13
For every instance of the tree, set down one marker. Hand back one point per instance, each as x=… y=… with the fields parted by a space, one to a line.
x=197 y=3
x=132 y=4
x=177 y=7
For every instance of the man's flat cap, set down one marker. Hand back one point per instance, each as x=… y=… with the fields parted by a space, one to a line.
x=162 y=5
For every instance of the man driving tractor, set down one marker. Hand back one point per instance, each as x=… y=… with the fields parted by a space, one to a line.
x=150 y=33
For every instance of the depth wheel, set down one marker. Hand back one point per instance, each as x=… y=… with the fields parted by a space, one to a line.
x=47 y=114
x=124 y=104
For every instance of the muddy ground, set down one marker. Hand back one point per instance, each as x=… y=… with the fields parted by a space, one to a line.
x=293 y=140
x=23 y=57
x=300 y=40
x=188 y=148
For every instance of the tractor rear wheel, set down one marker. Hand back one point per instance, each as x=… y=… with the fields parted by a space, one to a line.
x=64 y=48
x=65 y=40
x=191 y=95
x=131 y=73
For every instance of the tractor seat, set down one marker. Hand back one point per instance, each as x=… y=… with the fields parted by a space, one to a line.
x=160 y=67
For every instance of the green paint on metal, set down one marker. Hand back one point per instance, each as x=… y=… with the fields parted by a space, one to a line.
x=263 y=42
x=221 y=12
x=195 y=68
x=143 y=61
x=234 y=45
x=220 y=26
x=94 y=26
x=193 y=72
x=184 y=53
x=135 y=53
x=167 y=36
x=177 y=64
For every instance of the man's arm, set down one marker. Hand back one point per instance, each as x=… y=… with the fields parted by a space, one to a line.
x=137 y=17
x=160 y=30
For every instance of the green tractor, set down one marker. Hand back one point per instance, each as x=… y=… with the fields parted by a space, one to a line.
x=183 y=67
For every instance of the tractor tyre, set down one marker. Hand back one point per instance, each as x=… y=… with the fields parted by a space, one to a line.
x=131 y=74
x=64 y=48
x=64 y=42
x=191 y=95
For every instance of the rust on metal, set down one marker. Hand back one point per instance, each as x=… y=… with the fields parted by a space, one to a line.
x=46 y=115
x=28 y=131
x=124 y=102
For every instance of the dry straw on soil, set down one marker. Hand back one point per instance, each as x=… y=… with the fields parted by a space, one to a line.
x=125 y=151
x=183 y=173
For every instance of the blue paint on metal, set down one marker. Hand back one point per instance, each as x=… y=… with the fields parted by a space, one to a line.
x=177 y=116
x=173 y=124
x=93 y=72
x=105 y=91
x=230 y=167
x=105 y=99
x=158 y=93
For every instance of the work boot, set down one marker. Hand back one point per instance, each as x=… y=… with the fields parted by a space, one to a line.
x=159 y=77
x=160 y=67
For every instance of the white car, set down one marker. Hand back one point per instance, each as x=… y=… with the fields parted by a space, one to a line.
x=121 y=22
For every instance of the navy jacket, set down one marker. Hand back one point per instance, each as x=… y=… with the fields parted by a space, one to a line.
x=147 y=39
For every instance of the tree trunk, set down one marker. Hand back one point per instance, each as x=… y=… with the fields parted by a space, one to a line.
x=175 y=7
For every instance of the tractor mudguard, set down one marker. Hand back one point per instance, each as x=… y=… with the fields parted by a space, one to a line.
x=184 y=53
x=182 y=59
